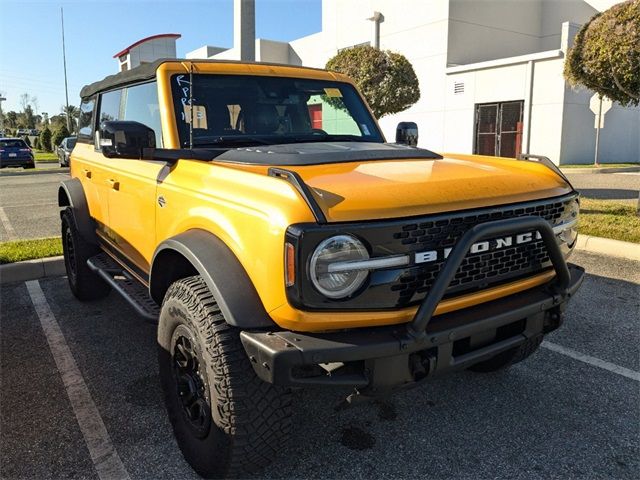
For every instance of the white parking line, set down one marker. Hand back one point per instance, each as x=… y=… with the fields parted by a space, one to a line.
x=11 y=233
x=104 y=456
x=596 y=362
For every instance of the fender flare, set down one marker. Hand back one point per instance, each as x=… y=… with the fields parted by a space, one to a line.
x=71 y=194
x=223 y=273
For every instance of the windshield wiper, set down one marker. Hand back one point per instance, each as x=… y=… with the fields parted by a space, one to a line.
x=230 y=140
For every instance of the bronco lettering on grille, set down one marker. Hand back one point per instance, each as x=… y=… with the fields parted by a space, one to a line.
x=480 y=247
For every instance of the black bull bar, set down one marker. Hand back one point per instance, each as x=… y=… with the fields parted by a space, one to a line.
x=383 y=352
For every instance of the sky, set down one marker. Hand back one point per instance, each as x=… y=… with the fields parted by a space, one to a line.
x=95 y=30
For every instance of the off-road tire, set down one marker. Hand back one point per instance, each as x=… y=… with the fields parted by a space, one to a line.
x=508 y=358
x=250 y=419
x=84 y=283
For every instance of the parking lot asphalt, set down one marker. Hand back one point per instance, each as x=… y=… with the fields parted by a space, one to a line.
x=29 y=205
x=552 y=416
x=623 y=187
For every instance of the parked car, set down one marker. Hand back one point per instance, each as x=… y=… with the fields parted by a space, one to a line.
x=33 y=132
x=14 y=152
x=21 y=132
x=64 y=150
x=279 y=241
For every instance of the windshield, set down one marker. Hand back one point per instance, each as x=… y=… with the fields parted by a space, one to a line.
x=236 y=110
x=17 y=143
x=71 y=142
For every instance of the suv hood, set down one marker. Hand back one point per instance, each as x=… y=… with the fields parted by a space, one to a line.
x=371 y=190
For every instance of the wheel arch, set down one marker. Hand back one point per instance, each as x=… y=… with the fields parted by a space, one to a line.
x=198 y=252
x=71 y=194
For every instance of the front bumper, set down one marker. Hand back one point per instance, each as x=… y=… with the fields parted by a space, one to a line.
x=385 y=358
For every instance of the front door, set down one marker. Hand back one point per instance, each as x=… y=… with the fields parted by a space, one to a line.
x=498 y=129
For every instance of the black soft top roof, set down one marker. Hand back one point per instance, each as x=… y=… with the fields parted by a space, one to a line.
x=147 y=71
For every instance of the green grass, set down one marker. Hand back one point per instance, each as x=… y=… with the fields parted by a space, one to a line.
x=20 y=250
x=603 y=165
x=45 y=156
x=609 y=219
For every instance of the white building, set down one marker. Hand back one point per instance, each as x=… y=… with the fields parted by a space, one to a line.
x=147 y=50
x=490 y=72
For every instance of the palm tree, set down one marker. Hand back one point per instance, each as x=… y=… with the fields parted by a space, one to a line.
x=71 y=112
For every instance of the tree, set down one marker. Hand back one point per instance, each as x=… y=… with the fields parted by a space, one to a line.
x=11 y=119
x=59 y=135
x=73 y=112
x=27 y=141
x=36 y=144
x=25 y=100
x=605 y=56
x=45 y=139
x=386 y=79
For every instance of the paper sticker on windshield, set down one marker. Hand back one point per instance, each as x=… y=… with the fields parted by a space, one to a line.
x=199 y=116
x=333 y=92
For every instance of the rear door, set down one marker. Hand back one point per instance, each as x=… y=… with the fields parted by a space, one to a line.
x=88 y=163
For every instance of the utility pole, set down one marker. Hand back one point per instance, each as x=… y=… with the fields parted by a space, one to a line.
x=64 y=63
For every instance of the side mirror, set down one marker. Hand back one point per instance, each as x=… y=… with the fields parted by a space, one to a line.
x=125 y=139
x=407 y=133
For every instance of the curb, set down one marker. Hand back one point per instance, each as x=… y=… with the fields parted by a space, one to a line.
x=35 y=171
x=32 y=269
x=600 y=170
x=607 y=246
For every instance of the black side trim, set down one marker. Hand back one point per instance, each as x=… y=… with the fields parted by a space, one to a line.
x=71 y=194
x=224 y=275
x=298 y=183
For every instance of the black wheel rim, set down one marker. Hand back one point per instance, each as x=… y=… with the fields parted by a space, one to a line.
x=70 y=254
x=191 y=382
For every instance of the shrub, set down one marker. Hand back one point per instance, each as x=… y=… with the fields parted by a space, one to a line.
x=45 y=139
x=36 y=144
x=605 y=56
x=59 y=135
x=386 y=79
x=27 y=141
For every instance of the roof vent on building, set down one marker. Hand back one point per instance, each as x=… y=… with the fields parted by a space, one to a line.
x=458 y=88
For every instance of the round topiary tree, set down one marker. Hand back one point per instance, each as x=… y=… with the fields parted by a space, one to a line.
x=605 y=56
x=386 y=79
x=45 y=139
x=59 y=135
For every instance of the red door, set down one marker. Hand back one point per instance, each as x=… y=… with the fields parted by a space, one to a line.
x=315 y=114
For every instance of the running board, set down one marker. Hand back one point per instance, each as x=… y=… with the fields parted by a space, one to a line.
x=122 y=282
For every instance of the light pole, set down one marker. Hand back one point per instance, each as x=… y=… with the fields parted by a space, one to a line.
x=64 y=63
x=2 y=99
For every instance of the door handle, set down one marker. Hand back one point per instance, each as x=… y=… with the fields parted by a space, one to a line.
x=115 y=185
x=87 y=173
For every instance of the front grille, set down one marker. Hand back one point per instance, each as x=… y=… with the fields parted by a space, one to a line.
x=404 y=286
x=479 y=270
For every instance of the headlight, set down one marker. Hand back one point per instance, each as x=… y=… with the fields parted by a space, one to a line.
x=567 y=228
x=341 y=248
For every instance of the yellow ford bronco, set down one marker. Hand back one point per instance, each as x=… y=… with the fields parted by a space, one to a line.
x=256 y=213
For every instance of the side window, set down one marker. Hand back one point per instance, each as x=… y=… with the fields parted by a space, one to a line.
x=110 y=103
x=85 y=120
x=141 y=105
